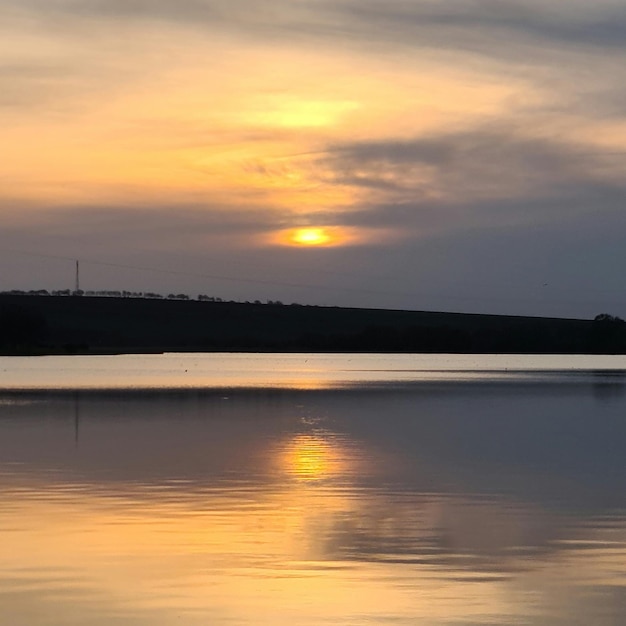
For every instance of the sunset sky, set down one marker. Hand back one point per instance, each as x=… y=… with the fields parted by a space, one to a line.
x=426 y=154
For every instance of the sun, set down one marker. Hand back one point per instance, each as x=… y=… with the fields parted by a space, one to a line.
x=316 y=237
x=310 y=236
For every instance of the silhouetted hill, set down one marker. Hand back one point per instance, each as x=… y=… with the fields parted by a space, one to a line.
x=57 y=324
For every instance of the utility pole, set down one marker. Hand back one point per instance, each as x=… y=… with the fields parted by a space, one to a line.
x=77 y=278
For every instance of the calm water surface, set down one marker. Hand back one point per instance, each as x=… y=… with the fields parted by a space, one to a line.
x=312 y=489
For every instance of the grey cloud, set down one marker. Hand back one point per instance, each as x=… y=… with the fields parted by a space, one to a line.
x=208 y=250
x=189 y=240
x=599 y=208
x=197 y=13
x=606 y=101
x=566 y=230
x=142 y=222
x=483 y=265
x=30 y=86
x=568 y=46
x=416 y=23
x=66 y=81
x=472 y=19
x=484 y=164
x=492 y=183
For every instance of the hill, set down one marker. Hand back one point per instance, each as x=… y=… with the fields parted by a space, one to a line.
x=101 y=325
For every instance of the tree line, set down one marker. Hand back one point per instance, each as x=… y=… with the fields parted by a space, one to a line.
x=107 y=293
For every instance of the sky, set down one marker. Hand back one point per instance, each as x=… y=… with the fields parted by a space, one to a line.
x=454 y=155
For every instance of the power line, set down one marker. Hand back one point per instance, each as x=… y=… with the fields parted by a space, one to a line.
x=222 y=277
x=152 y=269
x=296 y=285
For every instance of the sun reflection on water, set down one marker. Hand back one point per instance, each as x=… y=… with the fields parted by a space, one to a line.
x=315 y=456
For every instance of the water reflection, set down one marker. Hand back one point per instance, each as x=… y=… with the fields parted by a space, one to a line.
x=294 y=371
x=314 y=457
x=453 y=504
x=608 y=384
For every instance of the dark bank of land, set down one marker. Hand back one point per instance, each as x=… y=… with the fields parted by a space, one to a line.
x=104 y=325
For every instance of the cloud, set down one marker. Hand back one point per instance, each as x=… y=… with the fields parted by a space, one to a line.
x=481 y=168
x=142 y=224
x=181 y=127
x=195 y=13
x=475 y=24
x=562 y=50
x=471 y=20
x=22 y=83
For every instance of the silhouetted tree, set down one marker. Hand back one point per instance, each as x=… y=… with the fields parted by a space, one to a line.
x=608 y=334
x=605 y=317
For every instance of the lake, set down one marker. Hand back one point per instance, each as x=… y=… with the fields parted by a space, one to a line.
x=308 y=489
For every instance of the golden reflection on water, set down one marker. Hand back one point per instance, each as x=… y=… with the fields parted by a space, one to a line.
x=313 y=457
x=285 y=520
x=285 y=556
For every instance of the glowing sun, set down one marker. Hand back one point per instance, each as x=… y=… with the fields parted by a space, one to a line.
x=316 y=237
x=310 y=236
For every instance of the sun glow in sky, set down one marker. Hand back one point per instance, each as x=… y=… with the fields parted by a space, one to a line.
x=327 y=236
x=311 y=236
x=180 y=135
